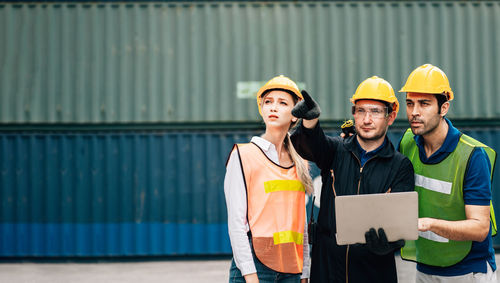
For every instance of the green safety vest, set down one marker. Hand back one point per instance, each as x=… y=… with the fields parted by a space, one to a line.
x=440 y=195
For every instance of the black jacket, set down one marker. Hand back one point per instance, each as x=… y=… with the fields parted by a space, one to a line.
x=339 y=157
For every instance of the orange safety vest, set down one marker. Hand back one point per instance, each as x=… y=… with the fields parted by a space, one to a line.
x=275 y=211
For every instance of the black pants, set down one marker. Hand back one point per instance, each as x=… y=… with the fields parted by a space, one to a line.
x=329 y=263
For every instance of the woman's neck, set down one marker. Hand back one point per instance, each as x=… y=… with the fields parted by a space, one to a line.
x=277 y=138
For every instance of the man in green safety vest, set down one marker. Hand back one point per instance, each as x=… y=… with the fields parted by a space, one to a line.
x=453 y=179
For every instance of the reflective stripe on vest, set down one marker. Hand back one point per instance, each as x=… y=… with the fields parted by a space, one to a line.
x=276 y=210
x=440 y=190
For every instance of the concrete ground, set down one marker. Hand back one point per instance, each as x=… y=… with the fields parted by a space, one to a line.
x=171 y=271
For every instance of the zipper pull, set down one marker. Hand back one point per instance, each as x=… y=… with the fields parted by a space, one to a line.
x=333 y=183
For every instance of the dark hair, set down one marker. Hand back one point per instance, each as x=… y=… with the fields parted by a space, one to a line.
x=389 y=106
x=441 y=99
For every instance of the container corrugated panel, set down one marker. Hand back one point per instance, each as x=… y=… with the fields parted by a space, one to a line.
x=125 y=194
x=113 y=194
x=178 y=62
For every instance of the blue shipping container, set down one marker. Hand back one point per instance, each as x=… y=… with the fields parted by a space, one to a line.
x=113 y=194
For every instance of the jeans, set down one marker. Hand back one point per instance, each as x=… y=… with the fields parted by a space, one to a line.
x=265 y=274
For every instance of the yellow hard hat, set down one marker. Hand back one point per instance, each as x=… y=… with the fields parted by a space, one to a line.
x=377 y=89
x=428 y=79
x=281 y=83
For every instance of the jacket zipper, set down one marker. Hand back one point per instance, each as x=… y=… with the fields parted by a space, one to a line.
x=359 y=185
x=346 y=264
x=333 y=181
x=361 y=169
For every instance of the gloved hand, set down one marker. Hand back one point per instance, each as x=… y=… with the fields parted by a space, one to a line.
x=307 y=108
x=379 y=245
x=348 y=129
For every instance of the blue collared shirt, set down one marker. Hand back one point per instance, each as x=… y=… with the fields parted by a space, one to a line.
x=364 y=155
x=477 y=191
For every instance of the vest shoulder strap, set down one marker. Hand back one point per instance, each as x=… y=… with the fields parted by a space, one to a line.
x=406 y=140
x=492 y=155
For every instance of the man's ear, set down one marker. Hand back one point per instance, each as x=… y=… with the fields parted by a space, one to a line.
x=294 y=119
x=391 y=117
x=444 y=108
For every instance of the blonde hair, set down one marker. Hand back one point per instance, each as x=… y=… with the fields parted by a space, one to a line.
x=300 y=164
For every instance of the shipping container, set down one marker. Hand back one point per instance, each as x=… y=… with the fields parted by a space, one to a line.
x=125 y=194
x=203 y=61
x=118 y=194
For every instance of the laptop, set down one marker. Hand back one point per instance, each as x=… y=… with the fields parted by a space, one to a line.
x=397 y=213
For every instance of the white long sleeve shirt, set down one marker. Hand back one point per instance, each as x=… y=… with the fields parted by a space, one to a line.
x=236 y=201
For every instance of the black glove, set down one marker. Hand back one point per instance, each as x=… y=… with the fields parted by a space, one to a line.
x=307 y=108
x=379 y=244
x=348 y=128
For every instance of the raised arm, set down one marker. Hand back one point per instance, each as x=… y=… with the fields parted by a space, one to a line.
x=308 y=138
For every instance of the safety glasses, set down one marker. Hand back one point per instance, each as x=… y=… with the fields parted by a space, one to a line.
x=376 y=112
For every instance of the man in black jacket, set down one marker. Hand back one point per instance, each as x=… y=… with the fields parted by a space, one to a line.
x=364 y=163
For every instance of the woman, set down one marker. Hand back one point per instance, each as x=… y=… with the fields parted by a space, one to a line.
x=265 y=187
